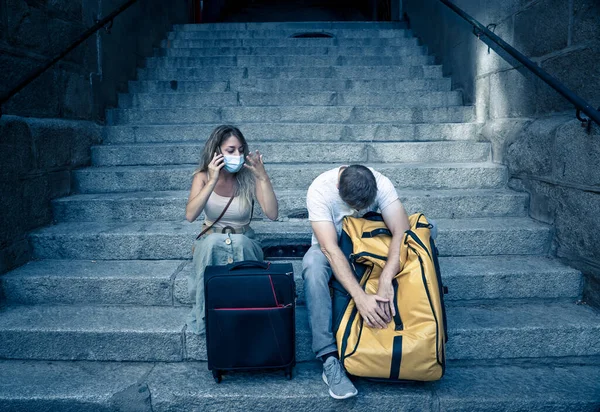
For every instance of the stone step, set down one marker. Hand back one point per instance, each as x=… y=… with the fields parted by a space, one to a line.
x=302 y=85
x=140 y=206
x=420 y=176
x=194 y=100
x=370 y=33
x=291 y=60
x=158 y=240
x=165 y=282
x=100 y=386
x=292 y=72
x=270 y=114
x=305 y=152
x=289 y=42
x=344 y=51
x=131 y=333
x=323 y=25
x=308 y=132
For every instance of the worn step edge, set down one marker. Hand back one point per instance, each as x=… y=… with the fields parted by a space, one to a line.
x=172 y=240
x=165 y=283
x=95 y=386
x=140 y=206
x=155 y=333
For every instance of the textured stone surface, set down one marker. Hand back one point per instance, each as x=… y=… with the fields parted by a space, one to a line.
x=294 y=131
x=67 y=386
x=324 y=114
x=585 y=21
x=92 y=333
x=306 y=152
x=189 y=386
x=512 y=94
x=372 y=33
x=297 y=176
x=533 y=151
x=561 y=67
x=412 y=50
x=92 y=282
x=294 y=85
x=171 y=240
x=160 y=283
x=291 y=60
x=196 y=100
x=495 y=331
x=293 y=72
x=171 y=205
x=542 y=27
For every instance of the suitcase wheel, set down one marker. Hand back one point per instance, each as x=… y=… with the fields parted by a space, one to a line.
x=288 y=373
x=217 y=376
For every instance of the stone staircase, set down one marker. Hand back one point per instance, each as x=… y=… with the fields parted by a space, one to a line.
x=97 y=322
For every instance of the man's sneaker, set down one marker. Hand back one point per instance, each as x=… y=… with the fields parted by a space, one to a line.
x=335 y=377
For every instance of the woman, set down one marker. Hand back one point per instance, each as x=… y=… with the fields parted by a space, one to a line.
x=228 y=178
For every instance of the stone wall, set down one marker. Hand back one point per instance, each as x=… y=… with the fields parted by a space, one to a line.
x=531 y=127
x=47 y=129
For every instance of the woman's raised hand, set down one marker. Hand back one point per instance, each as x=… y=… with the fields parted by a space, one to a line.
x=214 y=167
x=254 y=162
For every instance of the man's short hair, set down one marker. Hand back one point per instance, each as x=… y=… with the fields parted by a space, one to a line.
x=358 y=187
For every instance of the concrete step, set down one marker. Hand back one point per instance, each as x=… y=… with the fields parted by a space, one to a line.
x=308 y=132
x=165 y=282
x=130 y=333
x=322 y=25
x=305 y=152
x=173 y=240
x=104 y=386
x=270 y=114
x=292 y=51
x=140 y=206
x=302 y=85
x=289 y=42
x=371 y=33
x=292 y=176
x=194 y=100
x=291 y=60
x=292 y=72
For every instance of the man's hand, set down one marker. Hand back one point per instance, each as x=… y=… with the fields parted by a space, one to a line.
x=386 y=291
x=370 y=309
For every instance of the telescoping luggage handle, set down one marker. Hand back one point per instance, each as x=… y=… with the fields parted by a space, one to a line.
x=250 y=264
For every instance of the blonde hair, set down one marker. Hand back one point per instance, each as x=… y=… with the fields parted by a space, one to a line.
x=245 y=178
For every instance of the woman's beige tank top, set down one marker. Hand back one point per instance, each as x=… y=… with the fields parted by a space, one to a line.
x=235 y=216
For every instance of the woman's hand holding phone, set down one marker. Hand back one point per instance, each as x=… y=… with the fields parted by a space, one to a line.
x=215 y=166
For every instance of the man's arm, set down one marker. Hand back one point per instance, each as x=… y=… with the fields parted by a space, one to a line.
x=396 y=220
x=367 y=305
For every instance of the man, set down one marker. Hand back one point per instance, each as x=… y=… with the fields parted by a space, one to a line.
x=347 y=191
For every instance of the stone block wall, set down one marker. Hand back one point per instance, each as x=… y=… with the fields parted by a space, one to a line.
x=531 y=127
x=47 y=129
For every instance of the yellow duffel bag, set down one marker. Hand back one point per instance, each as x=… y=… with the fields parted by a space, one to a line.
x=412 y=347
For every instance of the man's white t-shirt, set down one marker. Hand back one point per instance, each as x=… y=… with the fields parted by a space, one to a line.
x=324 y=203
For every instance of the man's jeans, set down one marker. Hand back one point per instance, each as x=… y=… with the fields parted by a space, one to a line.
x=316 y=273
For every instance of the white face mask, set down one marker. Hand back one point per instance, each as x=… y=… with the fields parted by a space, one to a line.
x=233 y=164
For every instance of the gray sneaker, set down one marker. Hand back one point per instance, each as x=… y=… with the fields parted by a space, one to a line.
x=335 y=377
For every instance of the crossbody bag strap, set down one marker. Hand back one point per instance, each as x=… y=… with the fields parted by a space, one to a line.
x=219 y=218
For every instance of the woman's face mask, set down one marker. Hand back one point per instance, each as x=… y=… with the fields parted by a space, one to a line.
x=233 y=164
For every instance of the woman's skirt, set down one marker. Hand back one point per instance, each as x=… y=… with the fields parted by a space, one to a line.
x=216 y=249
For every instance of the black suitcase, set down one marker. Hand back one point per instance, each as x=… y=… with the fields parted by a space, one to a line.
x=250 y=317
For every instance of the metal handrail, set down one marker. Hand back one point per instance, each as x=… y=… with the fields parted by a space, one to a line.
x=104 y=23
x=480 y=30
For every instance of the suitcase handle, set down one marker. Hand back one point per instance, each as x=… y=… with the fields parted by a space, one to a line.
x=250 y=264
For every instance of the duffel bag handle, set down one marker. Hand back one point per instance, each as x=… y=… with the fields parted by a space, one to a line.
x=250 y=264
x=377 y=232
